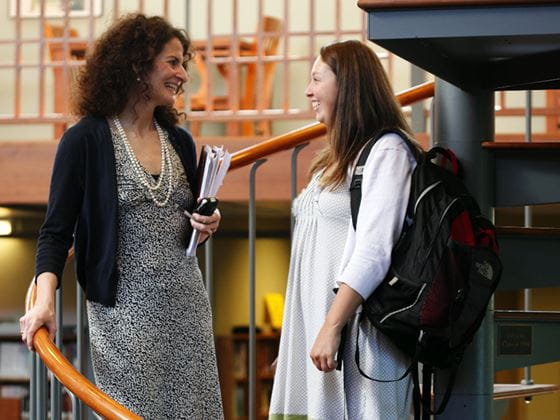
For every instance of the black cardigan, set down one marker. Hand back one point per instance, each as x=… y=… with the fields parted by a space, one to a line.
x=83 y=206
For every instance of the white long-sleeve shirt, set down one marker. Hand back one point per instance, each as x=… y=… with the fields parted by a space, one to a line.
x=385 y=191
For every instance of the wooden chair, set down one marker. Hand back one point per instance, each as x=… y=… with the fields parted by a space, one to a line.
x=63 y=80
x=248 y=97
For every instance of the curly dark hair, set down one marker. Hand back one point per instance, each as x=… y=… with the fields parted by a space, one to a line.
x=122 y=57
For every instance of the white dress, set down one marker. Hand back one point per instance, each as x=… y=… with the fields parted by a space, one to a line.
x=319 y=259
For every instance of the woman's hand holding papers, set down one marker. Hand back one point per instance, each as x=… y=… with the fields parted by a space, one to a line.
x=212 y=168
x=206 y=225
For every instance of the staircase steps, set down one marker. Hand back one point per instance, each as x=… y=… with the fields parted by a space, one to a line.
x=528 y=256
x=525 y=338
x=462 y=41
x=526 y=173
x=507 y=391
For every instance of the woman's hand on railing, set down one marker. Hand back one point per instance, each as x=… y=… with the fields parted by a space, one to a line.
x=38 y=316
x=42 y=312
x=39 y=304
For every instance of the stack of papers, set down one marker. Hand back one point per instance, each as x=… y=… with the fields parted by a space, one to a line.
x=212 y=168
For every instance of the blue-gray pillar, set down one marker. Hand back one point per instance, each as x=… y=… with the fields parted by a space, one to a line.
x=462 y=120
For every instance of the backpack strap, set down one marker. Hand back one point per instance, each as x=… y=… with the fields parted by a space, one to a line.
x=340 y=352
x=447 y=394
x=423 y=402
x=357 y=175
x=408 y=370
x=416 y=397
x=356 y=182
x=449 y=160
x=427 y=373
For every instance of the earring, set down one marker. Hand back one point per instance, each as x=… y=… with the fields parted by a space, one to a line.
x=138 y=79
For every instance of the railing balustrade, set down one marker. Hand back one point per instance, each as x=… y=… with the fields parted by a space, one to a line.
x=41 y=54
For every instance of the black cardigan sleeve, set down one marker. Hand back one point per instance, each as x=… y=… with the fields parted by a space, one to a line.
x=65 y=199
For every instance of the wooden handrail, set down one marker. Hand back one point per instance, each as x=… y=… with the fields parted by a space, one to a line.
x=78 y=384
x=276 y=144
x=313 y=131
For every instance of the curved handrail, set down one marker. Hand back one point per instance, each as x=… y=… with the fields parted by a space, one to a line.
x=78 y=384
x=292 y=138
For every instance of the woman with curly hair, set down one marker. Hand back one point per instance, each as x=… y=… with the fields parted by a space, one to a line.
x=122 y=177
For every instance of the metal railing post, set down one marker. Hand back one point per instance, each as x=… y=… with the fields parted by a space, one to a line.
x=41 y=390
x=252 y=272
x=33 y=386
x=528 y=222
x=77 y=407
x=56 y=397
x=209 y=269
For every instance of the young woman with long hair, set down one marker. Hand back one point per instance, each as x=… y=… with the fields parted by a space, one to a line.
x=351 y=95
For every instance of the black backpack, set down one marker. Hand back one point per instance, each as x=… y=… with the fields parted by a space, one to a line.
x=444 y=270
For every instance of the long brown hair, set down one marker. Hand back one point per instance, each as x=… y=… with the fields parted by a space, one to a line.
x=121 y=60
x=364 y=105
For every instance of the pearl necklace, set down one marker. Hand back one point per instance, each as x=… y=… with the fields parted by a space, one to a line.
x=143 y=178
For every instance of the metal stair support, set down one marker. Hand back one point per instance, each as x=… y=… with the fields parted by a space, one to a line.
x=475 y=44
x=474 y=48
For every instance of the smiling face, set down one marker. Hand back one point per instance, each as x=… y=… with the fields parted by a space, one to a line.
x=322 y=91
x=167 y=74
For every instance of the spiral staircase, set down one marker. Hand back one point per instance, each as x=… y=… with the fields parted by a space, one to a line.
x=475 y=48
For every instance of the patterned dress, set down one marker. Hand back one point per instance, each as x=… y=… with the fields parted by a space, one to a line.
x=300 y=391
x=153 y=351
